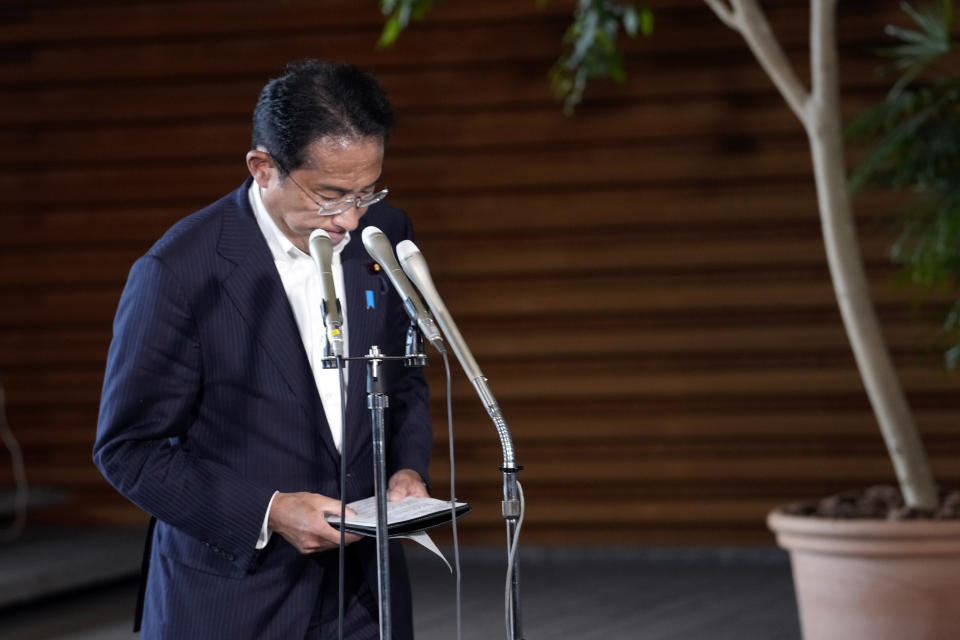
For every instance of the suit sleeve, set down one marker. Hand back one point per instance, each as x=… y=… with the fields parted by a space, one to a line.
x=152 y=384
x=411 y=434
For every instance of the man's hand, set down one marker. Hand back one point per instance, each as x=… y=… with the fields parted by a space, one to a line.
x=406 y=482
x=298 y=517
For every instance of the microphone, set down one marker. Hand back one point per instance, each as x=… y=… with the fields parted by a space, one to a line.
x=415 y=266
x=321 y=250
x=378 y=246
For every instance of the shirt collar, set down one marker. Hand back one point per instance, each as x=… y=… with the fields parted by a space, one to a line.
x=280 y=246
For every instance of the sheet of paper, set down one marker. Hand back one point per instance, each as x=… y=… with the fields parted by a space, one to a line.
x=427 y=542
x=409 y=508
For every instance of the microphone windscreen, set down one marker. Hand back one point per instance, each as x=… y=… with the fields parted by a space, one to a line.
x=405 y=249
x=415 y=266
x=368 y=234
x=378 y=247
x=319 y=233
x=321 y=249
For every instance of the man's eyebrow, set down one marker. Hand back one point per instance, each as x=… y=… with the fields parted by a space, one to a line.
x=341 y=190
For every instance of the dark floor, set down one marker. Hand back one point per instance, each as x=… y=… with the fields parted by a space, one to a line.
x=649 y=594
x=586 y=594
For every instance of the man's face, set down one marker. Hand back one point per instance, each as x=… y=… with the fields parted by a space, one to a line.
x=335 y=169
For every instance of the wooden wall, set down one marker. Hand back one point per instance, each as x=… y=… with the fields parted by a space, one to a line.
x=643 y=284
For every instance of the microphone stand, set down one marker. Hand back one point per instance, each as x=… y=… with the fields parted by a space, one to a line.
x=511 y=498
x=378 y=402
x=415 y=266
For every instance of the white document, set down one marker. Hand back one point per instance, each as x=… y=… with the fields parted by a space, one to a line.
x=423 y=539
x=410 y=508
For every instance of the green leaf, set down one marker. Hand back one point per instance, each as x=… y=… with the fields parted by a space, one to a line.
x=591 y=48
x=560 y=80
x=951 y=358
x=403 y=12
x=646 y=22
x=602 y=42
x=930 y=22
x=400 y=12
x=586 y=37
x=422 y=8
x=616 y=70
x=913 y=138
x=907 y=35
x=391 y=30
x=631 y=21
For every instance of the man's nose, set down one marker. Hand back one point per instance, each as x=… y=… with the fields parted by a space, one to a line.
x=349 y=218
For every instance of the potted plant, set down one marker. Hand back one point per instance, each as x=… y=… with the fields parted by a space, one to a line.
x=884 y=563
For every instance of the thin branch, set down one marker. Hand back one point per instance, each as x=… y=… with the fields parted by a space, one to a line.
x=823 y=54
x=753 y=26
x=725 y=13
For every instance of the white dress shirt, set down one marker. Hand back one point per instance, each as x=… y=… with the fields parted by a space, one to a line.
x=301 y=282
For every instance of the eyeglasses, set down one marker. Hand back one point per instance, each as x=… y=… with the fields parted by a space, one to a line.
x=333 y=208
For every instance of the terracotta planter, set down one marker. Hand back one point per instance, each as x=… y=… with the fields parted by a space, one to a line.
x=873 y=579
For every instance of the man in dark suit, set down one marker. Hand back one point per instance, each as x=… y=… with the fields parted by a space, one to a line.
x=216 y=415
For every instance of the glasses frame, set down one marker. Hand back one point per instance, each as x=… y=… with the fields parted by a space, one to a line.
x=338 y=206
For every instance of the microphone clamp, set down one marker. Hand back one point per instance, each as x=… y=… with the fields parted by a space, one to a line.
x=415 y=351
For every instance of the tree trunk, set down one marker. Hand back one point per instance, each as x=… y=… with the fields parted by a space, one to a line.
x=819 y=111
x=850 y=283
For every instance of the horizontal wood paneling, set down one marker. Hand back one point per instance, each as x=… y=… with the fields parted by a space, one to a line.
x=453 y=45
x=557 y=252
x=644 y=284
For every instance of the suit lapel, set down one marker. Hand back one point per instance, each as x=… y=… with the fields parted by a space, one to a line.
x=254 y=286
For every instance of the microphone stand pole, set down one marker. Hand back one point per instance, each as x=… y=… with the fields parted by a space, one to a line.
x=511 y=498
x=415 y=267
x=377 y=402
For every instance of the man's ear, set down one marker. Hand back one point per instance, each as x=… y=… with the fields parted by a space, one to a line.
x=261 y=166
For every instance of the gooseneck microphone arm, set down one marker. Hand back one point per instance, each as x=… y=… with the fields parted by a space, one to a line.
x=416 y=269
x=415 y=266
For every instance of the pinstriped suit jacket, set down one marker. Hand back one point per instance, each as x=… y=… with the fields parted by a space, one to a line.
x=209 y=405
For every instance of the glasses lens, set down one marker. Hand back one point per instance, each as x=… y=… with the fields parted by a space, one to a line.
x=333 y=208
x=373 y=198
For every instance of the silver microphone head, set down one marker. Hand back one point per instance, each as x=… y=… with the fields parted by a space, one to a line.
x=317 y=238
x=415 y=266
x=321 y=250
x=368 y=238
x=379 y=248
